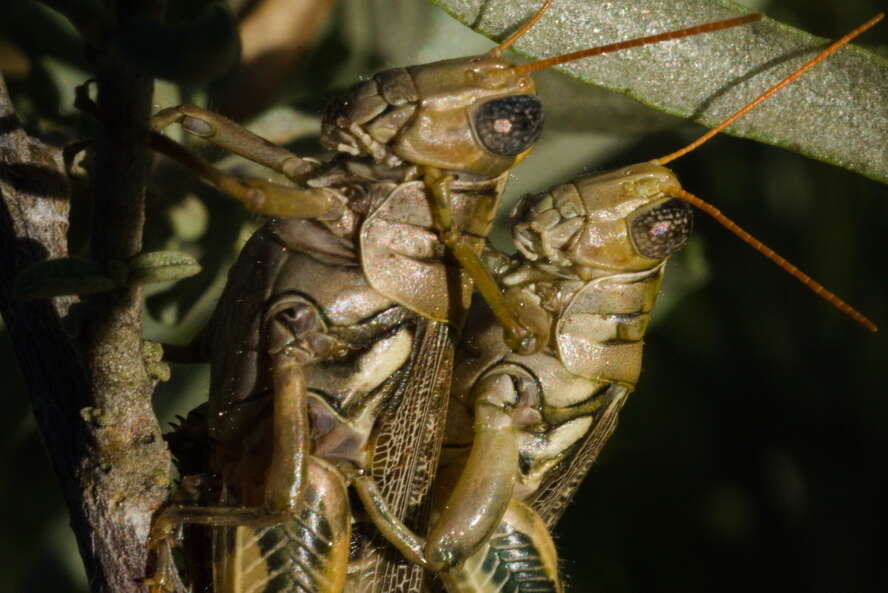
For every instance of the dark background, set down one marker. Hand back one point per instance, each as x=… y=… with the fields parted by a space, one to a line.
x=751 y=456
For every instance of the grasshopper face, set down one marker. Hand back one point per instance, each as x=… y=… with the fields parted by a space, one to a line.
x=472 y=115
x=623 y=221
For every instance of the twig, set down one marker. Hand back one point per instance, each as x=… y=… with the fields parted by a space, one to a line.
x=93 y=403
x=129 y=464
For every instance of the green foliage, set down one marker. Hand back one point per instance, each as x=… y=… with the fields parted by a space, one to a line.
x=79 y=276
x=838 y=112
x=63 y=276
x=161 y=266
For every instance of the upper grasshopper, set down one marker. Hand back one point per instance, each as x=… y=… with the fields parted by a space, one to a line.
x=331 y=347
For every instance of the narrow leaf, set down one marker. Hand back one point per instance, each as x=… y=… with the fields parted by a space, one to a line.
x=161 y=266
x=62 y=276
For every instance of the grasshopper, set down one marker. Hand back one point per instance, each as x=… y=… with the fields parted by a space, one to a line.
x=331 y=347
x=523 y=430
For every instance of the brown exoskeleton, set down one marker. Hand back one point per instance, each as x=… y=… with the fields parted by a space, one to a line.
x=523 y=430
x=331 y=348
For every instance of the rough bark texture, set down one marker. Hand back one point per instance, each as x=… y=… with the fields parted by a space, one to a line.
x=33 y=223
x=92 y=401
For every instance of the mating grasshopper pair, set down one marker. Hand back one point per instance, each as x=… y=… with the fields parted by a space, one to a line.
x=332 y=345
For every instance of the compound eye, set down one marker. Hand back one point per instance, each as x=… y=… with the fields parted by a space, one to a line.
x=510 y=125
x=662 y=230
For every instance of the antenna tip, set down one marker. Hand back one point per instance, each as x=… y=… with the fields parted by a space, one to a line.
x=862 y=320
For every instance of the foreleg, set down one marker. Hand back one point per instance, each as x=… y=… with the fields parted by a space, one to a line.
x=256 y=194
x=523 y=333
x=233 y=137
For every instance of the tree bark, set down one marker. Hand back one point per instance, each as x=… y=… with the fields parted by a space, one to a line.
x=91 y=395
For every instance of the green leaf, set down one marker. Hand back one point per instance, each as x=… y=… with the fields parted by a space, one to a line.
x=161 y=266
x=62 y=276
x=837 y=112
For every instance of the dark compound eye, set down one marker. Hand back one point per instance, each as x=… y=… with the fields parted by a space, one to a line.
x=510 y=125
x=662 y=230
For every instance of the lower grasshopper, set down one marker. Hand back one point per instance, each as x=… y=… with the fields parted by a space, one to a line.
x=523 y=430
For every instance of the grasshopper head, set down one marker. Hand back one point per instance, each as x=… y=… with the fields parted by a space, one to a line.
x=475 y=115
x=478 y=115
x=623 y=221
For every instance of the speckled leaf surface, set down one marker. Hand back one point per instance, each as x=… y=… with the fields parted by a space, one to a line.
x=837 y=113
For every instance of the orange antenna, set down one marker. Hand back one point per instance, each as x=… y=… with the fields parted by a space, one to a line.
x=715 y=213
x=521 y=30
x=772 y=255
x=613 y=47
x=793 y=76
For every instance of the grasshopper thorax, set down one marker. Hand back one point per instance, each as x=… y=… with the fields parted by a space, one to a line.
x=628 y=220
x=475 y=115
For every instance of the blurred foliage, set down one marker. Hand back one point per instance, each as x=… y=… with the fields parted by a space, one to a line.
x=751 y=455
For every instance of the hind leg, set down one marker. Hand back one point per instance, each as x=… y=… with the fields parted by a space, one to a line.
x=305 y=545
